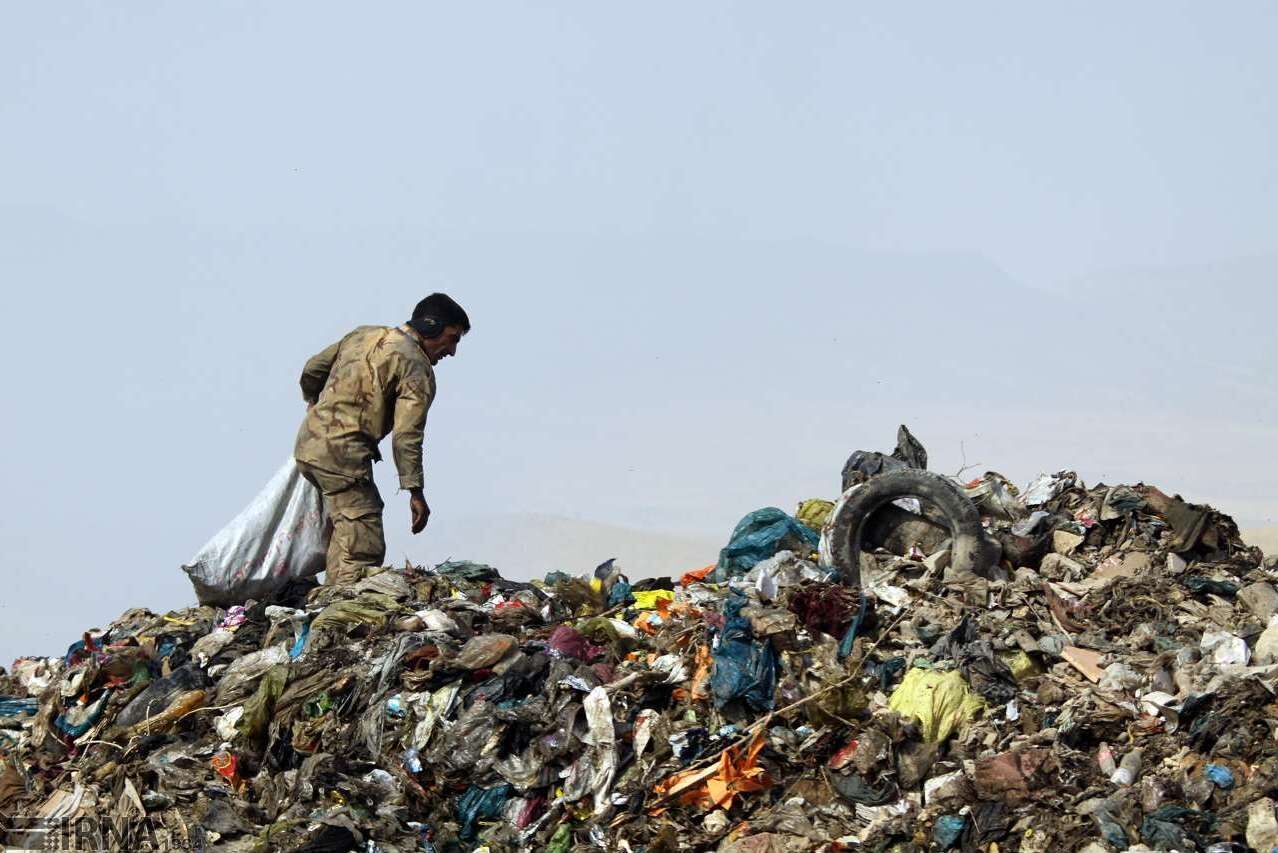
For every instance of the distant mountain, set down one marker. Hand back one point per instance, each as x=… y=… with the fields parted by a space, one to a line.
x=1197 y=334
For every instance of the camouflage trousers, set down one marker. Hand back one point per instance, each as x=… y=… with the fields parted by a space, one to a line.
x=355 y=509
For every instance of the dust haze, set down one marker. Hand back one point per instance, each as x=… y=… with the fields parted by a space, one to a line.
x=708 y=252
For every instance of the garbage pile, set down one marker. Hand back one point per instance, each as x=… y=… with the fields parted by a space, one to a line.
x=1111 y=689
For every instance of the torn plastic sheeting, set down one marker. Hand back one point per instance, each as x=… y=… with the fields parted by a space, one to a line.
x=887 y=671
x=207 y=647
x=941 y=701
x=299 y=645
x=1220 y=775
x=743 y=669
x=260 y=708
x=601 y=738
x=995 y=495
x=369 y=608
x=470 y=739
x=227 y=725
x=1225 y=648
x=863 y=464
x=760 y=535
x=1031 y=526
x=237 y=680
x=280 y=616
x=387 y=582
x=430 y=709
x=529 y=809
x=1046 y=487
x=765 y=583
x=525 y=770
x=674 y=667
x=437 y=621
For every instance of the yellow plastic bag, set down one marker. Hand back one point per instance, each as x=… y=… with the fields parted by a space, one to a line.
x=647 y=599
x=942 y=702
x=1022 y=666
x=814 y=513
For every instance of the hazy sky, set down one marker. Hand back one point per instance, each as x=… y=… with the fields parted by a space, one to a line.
x=709 y=249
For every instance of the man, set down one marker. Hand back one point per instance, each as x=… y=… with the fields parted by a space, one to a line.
x=374 y=381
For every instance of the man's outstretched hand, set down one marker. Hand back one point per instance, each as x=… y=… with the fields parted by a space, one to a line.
x=421 y=511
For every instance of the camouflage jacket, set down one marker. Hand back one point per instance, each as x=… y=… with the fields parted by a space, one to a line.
x=374 y=381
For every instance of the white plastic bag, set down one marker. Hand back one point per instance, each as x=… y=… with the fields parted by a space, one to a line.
x=279 y=536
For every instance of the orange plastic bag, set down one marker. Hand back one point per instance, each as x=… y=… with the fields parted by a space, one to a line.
x=695 y=576
x=698 y=687
x=718 y=785
x=701 y=678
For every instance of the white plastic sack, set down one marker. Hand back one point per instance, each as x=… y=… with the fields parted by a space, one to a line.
x=279 y=536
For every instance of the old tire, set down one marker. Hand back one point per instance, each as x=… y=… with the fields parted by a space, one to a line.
x=970 y=552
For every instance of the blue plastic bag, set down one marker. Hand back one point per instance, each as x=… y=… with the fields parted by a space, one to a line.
x=948 y=830
x=849 y=637
x=760 y=535
x=1220 y=776
x=743 y=669
x=300 y=644
x=477 y=803
x=620 y=594
x=78 y=719
x=1174 y=827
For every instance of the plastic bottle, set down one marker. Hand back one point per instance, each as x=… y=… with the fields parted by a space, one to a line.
x=1128 y=768
x=227 y=765
x=1105 y=758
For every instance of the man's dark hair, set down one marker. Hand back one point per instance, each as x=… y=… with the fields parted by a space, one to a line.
x=441 y=308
